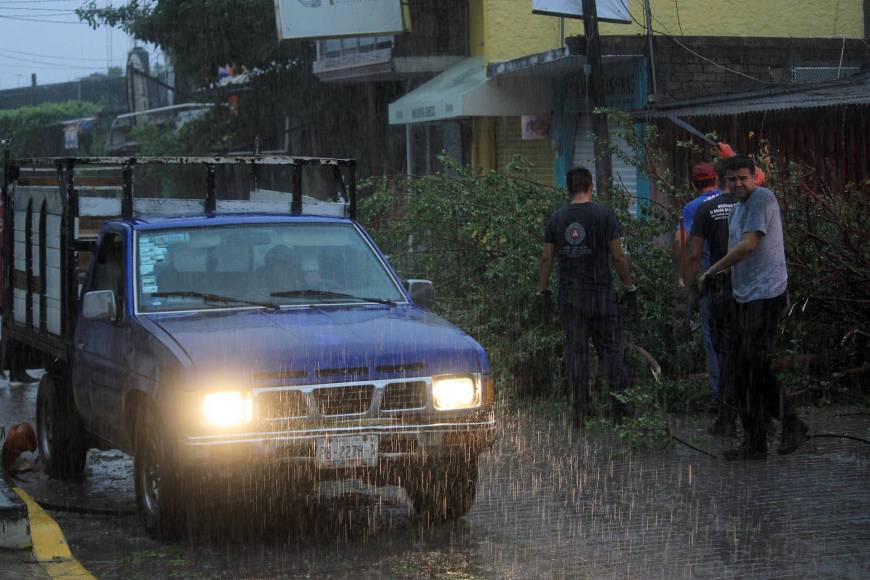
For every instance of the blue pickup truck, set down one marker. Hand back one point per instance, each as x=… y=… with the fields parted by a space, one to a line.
x=209 y=336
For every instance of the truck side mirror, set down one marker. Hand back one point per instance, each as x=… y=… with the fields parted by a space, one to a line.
x=99 y=305
x=422 y=292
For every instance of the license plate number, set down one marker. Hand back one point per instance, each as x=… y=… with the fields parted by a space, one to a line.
x=355 y=451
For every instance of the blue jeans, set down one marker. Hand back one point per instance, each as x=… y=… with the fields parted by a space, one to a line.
x=712 y=358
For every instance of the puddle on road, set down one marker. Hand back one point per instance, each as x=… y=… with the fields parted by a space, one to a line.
x=551 y=503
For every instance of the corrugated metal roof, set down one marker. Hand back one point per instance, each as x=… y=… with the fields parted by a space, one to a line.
x=850 y=92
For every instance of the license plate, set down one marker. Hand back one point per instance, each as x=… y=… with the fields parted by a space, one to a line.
x=355 y=451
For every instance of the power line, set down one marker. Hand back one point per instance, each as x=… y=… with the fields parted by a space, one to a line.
x=668 y=34
x=28 y=19
x=28 y=9
x=45 y=65
x=69 y=58
x=679 y=23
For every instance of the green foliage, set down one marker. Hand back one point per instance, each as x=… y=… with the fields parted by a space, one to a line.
x=156 y=141
x=34 y=130
x=478 y=238
x=199 y=35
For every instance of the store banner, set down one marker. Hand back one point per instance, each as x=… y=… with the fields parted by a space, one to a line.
x=337 y=18
x=608 y=10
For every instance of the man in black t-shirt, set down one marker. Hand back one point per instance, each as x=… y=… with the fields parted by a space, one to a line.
x=585 y=237
x=710 y=229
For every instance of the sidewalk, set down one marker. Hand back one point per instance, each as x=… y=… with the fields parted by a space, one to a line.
x=16 y=558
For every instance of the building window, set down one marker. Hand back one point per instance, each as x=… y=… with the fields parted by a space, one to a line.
x=338 y=47
x=821 y=74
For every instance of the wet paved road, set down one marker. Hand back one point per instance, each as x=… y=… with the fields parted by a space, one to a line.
x=551 y=504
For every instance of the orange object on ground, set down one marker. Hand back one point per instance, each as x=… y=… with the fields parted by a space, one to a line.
x=21 y=438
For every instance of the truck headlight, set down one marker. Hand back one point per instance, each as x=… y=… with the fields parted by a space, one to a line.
x=452 y=393
x=227 y=408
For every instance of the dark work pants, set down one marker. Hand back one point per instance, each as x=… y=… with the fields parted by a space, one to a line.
x=596 y=316
x=751 y=331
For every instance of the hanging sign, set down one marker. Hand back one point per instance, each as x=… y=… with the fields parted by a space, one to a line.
x=337 y=18
x=535 y=127
x=608 y=10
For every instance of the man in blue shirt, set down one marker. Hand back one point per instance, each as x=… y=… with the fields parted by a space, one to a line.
x=705 y=183
x=759 y=279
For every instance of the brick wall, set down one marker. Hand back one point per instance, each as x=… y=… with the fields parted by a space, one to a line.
x=683 y=75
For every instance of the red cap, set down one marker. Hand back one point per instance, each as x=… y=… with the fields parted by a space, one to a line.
x=703 y=171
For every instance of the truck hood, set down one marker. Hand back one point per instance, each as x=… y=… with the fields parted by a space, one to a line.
x=321 y=345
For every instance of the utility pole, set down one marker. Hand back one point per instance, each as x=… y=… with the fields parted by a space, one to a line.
x=600 y=130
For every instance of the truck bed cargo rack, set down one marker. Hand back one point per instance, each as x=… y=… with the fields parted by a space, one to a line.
x=66 y=167
x=55 y=206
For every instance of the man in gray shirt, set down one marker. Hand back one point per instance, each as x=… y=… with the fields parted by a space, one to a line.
x=759 y=279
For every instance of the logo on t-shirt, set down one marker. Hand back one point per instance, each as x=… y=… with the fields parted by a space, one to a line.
x=575 y=234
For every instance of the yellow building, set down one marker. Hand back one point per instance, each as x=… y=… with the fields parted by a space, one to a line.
x=519 y=68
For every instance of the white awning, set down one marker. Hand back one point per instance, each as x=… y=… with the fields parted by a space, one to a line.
x=464 y=90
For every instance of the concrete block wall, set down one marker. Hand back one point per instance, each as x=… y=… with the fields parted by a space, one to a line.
x=683 y=75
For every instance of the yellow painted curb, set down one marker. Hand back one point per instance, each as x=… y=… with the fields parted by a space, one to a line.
x=49 y=546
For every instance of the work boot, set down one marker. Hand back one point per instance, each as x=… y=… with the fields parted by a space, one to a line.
x=722 y=427
x=746 y=451
x=794 y=434
x=21 y=376
x=620 y=412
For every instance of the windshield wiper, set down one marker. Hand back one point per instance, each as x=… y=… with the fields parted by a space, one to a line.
x=209 y=297
x=329 y=294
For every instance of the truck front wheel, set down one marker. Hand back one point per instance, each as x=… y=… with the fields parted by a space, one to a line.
x=61 y=438
x=443 y=491
x=159 y=489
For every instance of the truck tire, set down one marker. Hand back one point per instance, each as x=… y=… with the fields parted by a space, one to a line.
x=60 y=436
x=443 y=491
x=160 y=493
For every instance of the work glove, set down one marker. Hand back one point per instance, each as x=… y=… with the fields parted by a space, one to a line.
x=544 y=306
x=628 y=300
x=707 y=282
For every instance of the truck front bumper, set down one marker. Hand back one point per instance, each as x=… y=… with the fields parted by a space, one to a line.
x=395 y=443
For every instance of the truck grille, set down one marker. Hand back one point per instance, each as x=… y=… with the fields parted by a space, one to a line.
x=350 y=400
x=282 y=405
x=404 y=396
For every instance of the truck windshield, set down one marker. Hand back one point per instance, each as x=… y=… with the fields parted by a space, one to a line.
x=268 y=265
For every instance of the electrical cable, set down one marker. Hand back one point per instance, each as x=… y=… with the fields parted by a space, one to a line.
x=64 y=58
x=679 y=24
x=44 y=65
x=692 y=447
x=693 y=52
x=838 y=436
x=42 y=20
x=59 y=11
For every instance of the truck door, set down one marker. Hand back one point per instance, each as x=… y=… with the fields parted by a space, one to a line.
x=102 y=348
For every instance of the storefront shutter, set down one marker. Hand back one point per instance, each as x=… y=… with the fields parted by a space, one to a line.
x=624 y=173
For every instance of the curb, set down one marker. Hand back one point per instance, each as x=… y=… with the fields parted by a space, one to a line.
x=49 y=545
x=14 y=523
